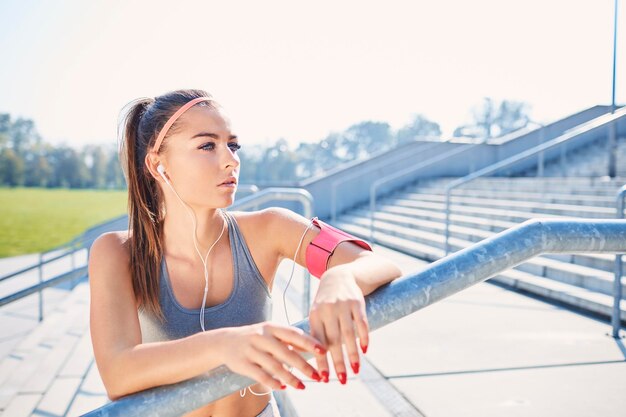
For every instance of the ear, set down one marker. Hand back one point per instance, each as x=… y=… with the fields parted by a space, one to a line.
x=152 y=160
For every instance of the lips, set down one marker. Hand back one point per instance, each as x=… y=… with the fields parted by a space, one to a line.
x=230 y=180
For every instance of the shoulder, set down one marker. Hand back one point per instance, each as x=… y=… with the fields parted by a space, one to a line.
x=111 y=244
x=270 y=219
x=109 y=255
x=279 y=227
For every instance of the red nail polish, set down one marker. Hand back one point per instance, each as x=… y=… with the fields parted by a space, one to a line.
x=325 y=376
x=300 y=385
x=364 y=348
x=342 y=377
x=316 y=376
x=283 y=387
x=355 y=367
x=320 y=350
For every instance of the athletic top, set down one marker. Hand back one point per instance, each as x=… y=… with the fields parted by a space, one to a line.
x=249 y=301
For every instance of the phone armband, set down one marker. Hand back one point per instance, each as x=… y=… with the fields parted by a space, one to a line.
x=324 y=244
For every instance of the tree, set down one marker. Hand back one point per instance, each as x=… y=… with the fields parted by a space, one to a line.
x=491 y=120
x=11 y=168
x=23 y=135
x=419 y=126
x=365 y=138
x=5 y=129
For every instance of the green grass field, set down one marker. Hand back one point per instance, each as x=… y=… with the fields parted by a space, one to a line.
x=36 y=219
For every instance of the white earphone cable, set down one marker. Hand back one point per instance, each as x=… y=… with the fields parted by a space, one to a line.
x=242 y=392
x=203 y=260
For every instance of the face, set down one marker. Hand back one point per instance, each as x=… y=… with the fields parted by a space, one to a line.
x=200 y=155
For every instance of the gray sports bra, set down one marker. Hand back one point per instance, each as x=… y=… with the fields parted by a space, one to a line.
x=249 y=301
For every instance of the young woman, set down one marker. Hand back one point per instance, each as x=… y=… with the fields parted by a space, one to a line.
x=187 y=287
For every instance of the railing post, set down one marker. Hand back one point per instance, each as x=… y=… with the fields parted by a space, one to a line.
x=612 y=148
x=40 y=292
x=617 y=283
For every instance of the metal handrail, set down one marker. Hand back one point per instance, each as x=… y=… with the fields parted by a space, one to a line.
x=34 y=266
x=284 y=194
x=617 y=283
x=335 y=185
x=411 y=170
x=401 y=297
x=74 y=274
x=559 y=140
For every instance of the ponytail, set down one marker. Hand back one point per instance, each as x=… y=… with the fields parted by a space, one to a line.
x=143 y=213
x=140 y=125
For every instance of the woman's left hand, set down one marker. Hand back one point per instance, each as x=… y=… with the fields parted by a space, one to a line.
x=339 y=308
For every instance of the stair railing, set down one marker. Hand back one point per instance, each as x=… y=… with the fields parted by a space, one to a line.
x=75 y=273
x=617 y=283
x=401 y=297
x=604 y=120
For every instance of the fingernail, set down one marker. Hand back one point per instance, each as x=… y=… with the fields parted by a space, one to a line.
x=364 y=348
x=325 y=376
x=300 y=385
x=283 y=387
x=342 y=377
x=320 y=350
x=355 y=367
x=316 y=376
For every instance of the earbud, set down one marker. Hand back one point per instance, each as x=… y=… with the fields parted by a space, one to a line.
x=161 y=170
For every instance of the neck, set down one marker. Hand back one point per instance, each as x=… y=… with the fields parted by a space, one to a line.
x=178 y=229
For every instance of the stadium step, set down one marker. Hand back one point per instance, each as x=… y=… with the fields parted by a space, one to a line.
x=47 y=373
x=414 y=219
x=475 y=229
x=572 y=295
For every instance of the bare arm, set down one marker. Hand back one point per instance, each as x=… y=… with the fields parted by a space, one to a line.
x=127 y=366
x=370 y=269
x=339 y=305
x=124 y=363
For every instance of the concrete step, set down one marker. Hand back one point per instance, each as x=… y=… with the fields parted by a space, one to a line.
x=480 y=228
x=576 y=297
x=552 y=197
x=532 y=207
x=600 y=186
x=47 y=360
x=592 y=279
x=514 y=216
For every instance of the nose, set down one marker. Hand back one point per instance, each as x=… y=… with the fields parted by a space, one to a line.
x=229 y=157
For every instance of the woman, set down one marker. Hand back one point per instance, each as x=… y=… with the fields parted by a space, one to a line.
x=187 y=287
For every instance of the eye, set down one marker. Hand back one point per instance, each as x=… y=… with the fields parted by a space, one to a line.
x=207 y=146
x=210 y=146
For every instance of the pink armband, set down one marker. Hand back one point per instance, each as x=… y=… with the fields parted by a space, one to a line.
x=324 y=244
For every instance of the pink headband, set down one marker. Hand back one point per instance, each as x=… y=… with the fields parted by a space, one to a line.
x=172 y=119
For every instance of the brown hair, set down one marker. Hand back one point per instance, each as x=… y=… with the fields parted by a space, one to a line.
x=139 y=128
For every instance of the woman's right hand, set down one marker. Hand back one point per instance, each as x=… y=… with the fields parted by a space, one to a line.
x=261 y=350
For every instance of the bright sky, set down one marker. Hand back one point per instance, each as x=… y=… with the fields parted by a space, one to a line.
x=299 y=70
